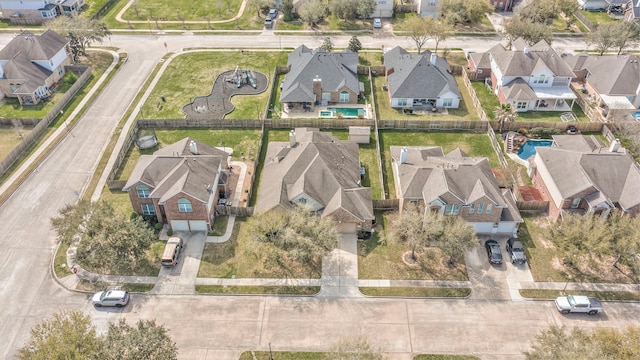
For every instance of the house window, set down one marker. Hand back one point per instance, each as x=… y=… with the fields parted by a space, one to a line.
x=480 y=207
x=452 y=209
x=184 y=206
x=432 y=2
x=402 y=102
x=14 y=87
x=488 y=210
x=143 y=191
x=344 y=96
x=521 y=105
x=447 y=102
x=326 y=96
x=51 y=63
x=302 y=201
x=575 y=203
x=148 y=209
x=479 y=71
x=59 y=70
x=472 y=208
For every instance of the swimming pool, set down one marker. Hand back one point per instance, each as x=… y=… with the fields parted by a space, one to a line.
x=636 y=115
x=529 y=148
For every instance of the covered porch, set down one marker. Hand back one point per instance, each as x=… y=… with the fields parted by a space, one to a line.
x=554 y=99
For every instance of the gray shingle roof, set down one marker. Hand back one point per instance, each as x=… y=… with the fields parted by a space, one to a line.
x=518 y=89
x=319 y=166
x=428 y=174
x=519 y=63
x=336 y=70
x=413 y=75
x=610 y=75
x=175 y=169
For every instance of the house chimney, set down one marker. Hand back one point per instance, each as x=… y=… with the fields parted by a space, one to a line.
x=317 y=88
x=434 y=58
x=403 y=155
x=615 y=146
x=193 y=147
x=292 y=138
x=526 y=50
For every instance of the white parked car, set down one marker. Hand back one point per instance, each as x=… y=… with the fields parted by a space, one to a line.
x=377 y=23
x=111 y=297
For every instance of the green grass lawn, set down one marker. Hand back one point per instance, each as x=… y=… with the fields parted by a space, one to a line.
x=473 y=144
x=243 y=142
x=243 y=257
x=597 y=17
x=378 y=260
x=384 y=111
x=282 y=355
x=195 y=10
x=275 y=290
x=10 y=137
x=119 y=200
x=193 y=74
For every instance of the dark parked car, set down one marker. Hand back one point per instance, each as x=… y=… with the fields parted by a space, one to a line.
x=493 y=252
x=515 y=248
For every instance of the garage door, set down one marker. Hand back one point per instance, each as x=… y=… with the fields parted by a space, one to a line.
x=180 y=225
x=198 y=225
x=347 y=228
x=483 y=227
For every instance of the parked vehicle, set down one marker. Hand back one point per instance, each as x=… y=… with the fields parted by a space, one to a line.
x=377 y=23
x=493 y=252
x=111 y=297
x=579 y=304
x=273 y=13
x=172 y=251
x=268 y=23
x=516 y=250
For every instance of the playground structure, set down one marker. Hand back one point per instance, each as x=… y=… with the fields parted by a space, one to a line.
x=146 y=139
x=226 y=85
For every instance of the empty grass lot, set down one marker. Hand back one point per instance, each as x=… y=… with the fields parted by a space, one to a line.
x=192 y=74
x=195 y=10
x=477 y=145
x=243 y=257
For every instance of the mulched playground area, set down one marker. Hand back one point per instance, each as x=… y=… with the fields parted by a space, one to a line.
x=217 y=104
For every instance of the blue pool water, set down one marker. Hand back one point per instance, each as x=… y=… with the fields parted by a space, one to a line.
x=529 y=148
x=636 y=114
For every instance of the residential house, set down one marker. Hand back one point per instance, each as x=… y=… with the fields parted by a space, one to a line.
x=616 y=7
x=632 y=10
x=502 y=5
x=30 y=65
x=531 y=77
x=180 y=184
x=593 y=5
x=317 y=170
x=38 y=11
x=610 y=81
x=319 y=77
x=454 y=184
x=384 y=9
x=428 y=8
x=479 y=64
x=418 y=81
x=578 y=174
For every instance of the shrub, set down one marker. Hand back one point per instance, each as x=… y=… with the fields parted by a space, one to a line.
x=70 y=78
x=544 y=133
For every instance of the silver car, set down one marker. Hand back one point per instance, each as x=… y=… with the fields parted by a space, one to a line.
x=111 y=297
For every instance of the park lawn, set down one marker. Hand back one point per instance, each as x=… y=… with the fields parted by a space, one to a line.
x=243 y=142
x=193 y=74
x=378 y=260
x=195 y=10
x=473 y=144
x=597 y=17
x=242 y=257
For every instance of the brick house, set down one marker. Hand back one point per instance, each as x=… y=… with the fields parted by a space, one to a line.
x=180 y=184
x=578 y=174
x=317 y=170
x=454 y=185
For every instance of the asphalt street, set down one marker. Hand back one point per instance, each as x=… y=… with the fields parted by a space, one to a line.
x=221 y=327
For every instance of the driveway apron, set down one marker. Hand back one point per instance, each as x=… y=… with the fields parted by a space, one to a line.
x=340 y=269
x=181 y=278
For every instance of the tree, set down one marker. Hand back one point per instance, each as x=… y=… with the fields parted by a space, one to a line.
x=287 y=9
x=601 y=343
x=258 y=5
x=465 y=11
x=415 y=227
x=419 y=31
x=354 y=349
x=81 y=32
x=354 y=44
x=67 y=335
x=439 y=30
x=351 y=9
x=327 y=45
x=567 y=8
x=312 y=12
x=456 y=239
x=529 y=31
x=628 y=35
x=603 y=37
x=146 y=340
x=540 y=11
x=107 y=242
x=366 y=8
x=503 y=114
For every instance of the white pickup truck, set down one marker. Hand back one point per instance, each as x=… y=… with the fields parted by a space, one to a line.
x=578 y=304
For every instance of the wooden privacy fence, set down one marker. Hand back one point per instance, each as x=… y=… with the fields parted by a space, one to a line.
x=534 y=205
x=517 y=125
x=234 y=210
x=586 y=22
x=434 y=125
x=42 y=125
x=386 y=204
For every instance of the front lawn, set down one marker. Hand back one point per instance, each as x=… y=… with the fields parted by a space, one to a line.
x=242 y=257
x=192 y=74
x=474 y=144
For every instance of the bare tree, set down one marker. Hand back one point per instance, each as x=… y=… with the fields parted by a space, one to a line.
x=456 y=239
x=415 y=227
x=419 y=31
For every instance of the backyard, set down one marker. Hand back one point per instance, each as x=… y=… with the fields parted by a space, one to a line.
x=473 y=144
x=192 y=74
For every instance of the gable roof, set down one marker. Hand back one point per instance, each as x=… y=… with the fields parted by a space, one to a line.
x=609 y=75
x=428 y=174
x=335 y=70
x=525 y=60
x=615 y=175
x=518 y=89
x=482 y=59
x=19 y=55
x=169 y=172
x=318 y=166
x=414 y=76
